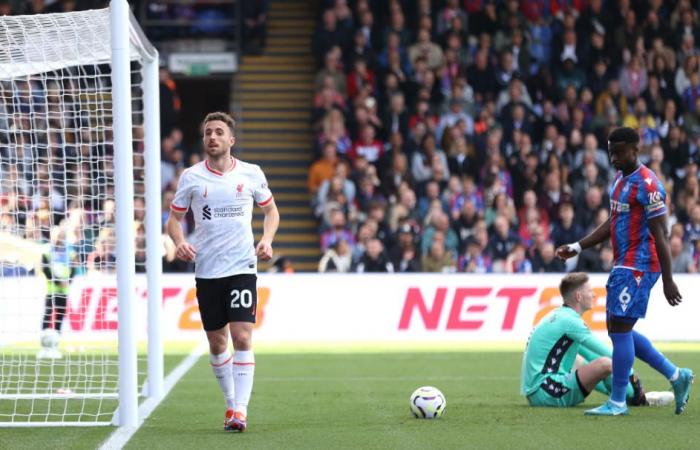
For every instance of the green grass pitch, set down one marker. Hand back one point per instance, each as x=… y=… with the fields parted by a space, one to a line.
x=360 y=401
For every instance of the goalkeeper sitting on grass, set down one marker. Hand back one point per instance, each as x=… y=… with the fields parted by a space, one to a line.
x=563 y=360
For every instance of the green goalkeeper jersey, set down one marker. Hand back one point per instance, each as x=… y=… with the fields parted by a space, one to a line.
x=553 y=346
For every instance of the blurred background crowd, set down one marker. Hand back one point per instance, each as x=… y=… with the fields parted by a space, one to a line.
x=451 y=135
x=470 y=135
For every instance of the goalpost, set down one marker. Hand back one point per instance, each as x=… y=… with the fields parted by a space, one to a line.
x=80 y=214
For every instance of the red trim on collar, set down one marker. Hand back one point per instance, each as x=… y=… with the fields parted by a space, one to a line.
x=216 y=172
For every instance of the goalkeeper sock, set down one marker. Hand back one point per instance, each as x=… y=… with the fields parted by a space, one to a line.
x=243 y=372
x=645 y=350
x=604 y=386
x=623 y=359
x=221 y=365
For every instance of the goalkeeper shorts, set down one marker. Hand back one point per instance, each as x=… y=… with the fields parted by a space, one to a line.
x=560 y=390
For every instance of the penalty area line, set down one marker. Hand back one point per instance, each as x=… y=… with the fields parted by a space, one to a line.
x=121 y=435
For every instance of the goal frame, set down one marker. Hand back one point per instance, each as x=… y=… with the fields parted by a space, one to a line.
x=125 y=33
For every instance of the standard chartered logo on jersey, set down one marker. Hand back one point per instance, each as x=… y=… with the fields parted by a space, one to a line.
x=221 y=212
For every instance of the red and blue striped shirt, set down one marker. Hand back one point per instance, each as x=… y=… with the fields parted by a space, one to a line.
x=634 y=200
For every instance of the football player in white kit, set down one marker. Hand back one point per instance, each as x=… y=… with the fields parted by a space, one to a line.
x=221 y=191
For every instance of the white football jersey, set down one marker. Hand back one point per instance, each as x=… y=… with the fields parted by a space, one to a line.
x=222 y=204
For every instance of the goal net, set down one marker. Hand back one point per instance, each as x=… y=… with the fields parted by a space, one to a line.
x=59 y=353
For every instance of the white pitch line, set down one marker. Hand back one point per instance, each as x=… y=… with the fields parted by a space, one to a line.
x=121 y=435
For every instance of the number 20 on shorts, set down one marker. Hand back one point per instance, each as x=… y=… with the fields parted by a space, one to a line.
x=241 y=298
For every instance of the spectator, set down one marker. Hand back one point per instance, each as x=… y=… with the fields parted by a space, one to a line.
x=324 y=168
x=360 y=49
x=552 y=194
x=255 y=25
x=336 y=193
x=684 y=73
x=331 y=68
x=446 y=15
x=475 y=259
x=681 y=260
x=465 y=221
x=517 y=261
x=397 y=174
x=502 y=240
x=482 y=77
x=333 y=130
x=595 y=260
x=337 y=258
x=338 y=185
x=425 y=158
x=396 y=117
x=585 y=214
x=438 y=259
x=692 y=228
x=374 y=259
x=103 y=257
x=439 y=225
x=424 y=48
x=170 y=102
x=565 y=229
x=633 y=78
x=453 y=116
x=545 y=261
x=338 y=230
x=327 y=35
x=404 y=255
x=367 y=146
x=360 y=80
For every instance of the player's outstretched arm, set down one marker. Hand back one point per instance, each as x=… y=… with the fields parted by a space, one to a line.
x=270 y=224
x=184 y=250
x=600 y=234
x=657 y=226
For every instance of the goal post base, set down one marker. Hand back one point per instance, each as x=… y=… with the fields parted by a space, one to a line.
x=53 y=424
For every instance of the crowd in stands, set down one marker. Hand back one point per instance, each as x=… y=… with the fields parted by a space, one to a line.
x=18 y=7
x=56 y=173
x=56 y=163
x=471 y=135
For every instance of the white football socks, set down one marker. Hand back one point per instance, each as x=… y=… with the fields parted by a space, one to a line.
x=243 y=372
x=221 y=365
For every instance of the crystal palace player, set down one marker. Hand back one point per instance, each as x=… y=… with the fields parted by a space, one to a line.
x=637 y=228
x=221 y=191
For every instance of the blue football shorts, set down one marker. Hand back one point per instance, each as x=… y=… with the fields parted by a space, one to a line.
x=628 y=292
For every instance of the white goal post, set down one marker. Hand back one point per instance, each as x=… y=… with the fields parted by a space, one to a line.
x=79 y=134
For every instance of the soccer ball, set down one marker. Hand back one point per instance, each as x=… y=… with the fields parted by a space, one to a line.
x=428 y=402
x=49 y=338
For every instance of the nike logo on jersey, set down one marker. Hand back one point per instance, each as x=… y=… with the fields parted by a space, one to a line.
x=648 y=181
x=206 y=191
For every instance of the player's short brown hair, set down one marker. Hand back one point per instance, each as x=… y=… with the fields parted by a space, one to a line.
x=571 y=283
x=222 y=116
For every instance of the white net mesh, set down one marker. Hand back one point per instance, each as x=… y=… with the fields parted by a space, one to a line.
x=58 y=341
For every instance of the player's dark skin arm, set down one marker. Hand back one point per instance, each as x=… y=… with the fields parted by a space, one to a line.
x=600 y=234
x=657 y=226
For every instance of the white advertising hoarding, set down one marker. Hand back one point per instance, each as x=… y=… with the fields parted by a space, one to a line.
x=308 y=308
